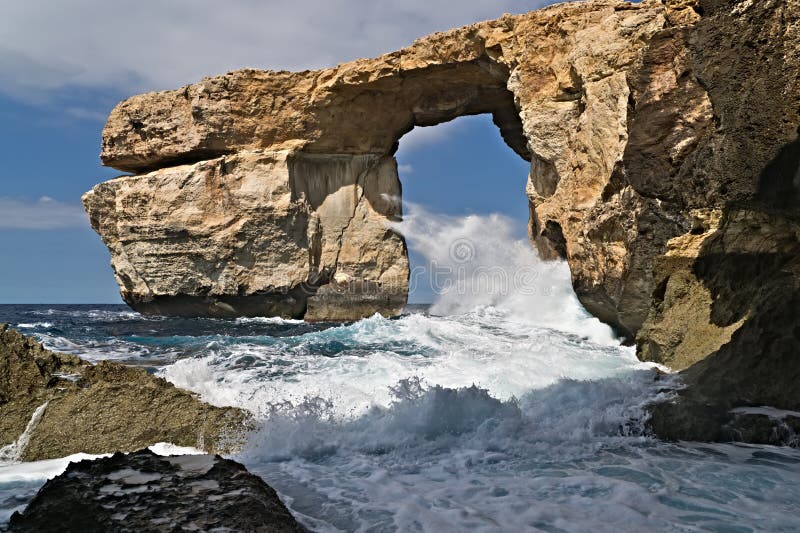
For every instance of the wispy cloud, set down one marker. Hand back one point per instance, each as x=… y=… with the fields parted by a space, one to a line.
x=86 y=114
x=42 y=214
x=43 y=50
x=426 y=136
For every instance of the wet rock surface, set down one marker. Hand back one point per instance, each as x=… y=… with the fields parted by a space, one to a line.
x=100 y=408
x=142 y=491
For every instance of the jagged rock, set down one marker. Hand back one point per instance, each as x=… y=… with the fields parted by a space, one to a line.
x=142 y=491
x=100 y=408
x=664 y=145
x=727 y=302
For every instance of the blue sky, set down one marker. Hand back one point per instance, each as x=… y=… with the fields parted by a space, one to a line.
x=460 y=168
x=61 y=73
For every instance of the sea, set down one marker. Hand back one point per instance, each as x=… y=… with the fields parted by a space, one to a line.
x=502 y=406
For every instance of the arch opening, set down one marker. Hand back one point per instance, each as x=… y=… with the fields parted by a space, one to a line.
x=466 y=224
x=456 y=177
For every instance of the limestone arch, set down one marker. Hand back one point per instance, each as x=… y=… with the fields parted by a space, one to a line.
x=559 y=83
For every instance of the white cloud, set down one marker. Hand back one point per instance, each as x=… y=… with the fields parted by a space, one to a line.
x=42 y=214
x=426 y=136
x=405 y=169
x=131 y=47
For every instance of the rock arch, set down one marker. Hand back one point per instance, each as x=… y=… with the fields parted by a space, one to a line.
x=264 y=192
x=662 y=137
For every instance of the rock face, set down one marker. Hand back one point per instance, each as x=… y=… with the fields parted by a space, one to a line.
x=205 y=234
x=726 y=305
x=54 y=405
x=259 y=233
x=142 y=491
x=664 y=144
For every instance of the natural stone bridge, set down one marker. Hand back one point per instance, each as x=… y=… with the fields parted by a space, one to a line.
x=662 y=138
x=274 y=184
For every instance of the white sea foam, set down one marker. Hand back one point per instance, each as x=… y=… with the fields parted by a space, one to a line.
x=507 y=409
x=514 y=411
x=567 y=457
x=267 y=320
x=372 y=355
x=35 y=325
x=106 y=348
x=477 y=261
x=169 y=449
x=12 y=453
x=498 y=332
x=96 y=314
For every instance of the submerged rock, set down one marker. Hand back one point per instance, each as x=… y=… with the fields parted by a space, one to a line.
x=108 y=407
x=142 y=491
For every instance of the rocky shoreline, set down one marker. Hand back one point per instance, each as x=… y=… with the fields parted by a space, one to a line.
x=664 y=144
x=53 y=405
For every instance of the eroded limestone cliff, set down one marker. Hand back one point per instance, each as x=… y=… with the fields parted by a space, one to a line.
x=259 y=233
x=665 y=168
x=555 y=81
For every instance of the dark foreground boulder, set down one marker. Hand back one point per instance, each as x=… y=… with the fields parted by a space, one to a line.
x=54 y=405
x=142 y=491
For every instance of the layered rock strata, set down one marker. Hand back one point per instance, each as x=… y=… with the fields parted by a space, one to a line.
x=258 y=233
x=665 y=169
x=54 y=405
x=142 y=491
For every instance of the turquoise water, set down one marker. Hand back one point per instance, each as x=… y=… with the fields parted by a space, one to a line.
x=426 y=423
x=492 y=410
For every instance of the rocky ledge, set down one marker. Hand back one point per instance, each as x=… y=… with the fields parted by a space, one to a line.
x=54 y=405
x=142 y=491
x=664 y=143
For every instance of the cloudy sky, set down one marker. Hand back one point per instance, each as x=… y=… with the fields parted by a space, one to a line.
x=64 y=65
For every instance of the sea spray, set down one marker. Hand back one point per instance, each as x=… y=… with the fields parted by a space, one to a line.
x=570 y=456
x=514 y=412
x=354 y=365
x=477 y=261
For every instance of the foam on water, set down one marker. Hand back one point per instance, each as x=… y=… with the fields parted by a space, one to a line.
x=507 y=408
x=565 y=458
x=355 y=365
x=504 y=408
x=13 y=452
